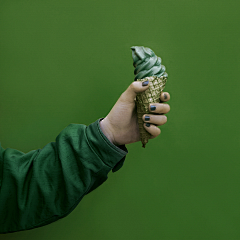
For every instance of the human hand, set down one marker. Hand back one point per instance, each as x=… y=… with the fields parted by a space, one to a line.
x=120 y=126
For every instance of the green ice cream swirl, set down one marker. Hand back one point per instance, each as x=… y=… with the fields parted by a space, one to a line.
x=146 y=63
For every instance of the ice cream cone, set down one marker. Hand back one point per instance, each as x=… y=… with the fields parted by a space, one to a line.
x=148 y=66
x=143 y=99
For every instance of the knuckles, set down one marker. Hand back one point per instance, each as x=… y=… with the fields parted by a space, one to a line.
x=167 y=108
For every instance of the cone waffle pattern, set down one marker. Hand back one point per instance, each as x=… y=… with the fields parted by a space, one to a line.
x=143 y=99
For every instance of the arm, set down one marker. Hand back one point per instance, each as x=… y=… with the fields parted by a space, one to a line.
x=44 y=185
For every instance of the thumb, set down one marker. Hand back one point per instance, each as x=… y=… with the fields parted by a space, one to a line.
x=135 y=87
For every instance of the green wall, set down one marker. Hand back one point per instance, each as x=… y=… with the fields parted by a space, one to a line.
x=65 y=62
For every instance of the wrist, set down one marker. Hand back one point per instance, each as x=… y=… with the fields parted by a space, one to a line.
x=105 y=130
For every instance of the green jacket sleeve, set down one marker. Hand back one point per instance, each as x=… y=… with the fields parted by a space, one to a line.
x=45 y=185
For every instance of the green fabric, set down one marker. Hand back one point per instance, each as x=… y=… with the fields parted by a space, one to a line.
x=44 y=185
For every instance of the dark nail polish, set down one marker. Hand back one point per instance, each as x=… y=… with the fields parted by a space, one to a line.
x=165 y=96
x=152 y=107
x=147 y=118
x=148 y=124
x=145 y=83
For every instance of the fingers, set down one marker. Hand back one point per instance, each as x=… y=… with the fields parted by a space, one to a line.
x=153 y=130
x=157 y=120
x=151 y=124
x=159 y=108
x=164 y=96
x=152 y=121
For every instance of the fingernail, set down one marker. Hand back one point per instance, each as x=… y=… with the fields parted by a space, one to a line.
x=147 y=118
x=165 y=96
x=145 y=83
x=147 y=124
x=152 y=107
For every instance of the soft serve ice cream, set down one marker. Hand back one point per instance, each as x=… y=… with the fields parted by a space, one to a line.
x=146 y=63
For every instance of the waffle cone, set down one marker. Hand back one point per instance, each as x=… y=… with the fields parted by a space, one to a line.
x=143 y=99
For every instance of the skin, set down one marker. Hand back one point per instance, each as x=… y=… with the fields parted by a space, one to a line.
x=120 y=126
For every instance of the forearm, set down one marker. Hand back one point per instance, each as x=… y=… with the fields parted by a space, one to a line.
x=106 y=131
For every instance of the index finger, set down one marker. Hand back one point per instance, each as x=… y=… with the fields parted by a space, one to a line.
x=164 y=96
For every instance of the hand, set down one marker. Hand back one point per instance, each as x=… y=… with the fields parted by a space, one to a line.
x=120 y=126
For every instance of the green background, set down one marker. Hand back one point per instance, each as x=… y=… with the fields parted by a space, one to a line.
x=65 y=62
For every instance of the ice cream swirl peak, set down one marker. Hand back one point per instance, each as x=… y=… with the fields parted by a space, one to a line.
x=146 y=63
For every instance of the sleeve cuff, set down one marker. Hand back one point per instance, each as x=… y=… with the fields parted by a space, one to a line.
x=112 y=155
